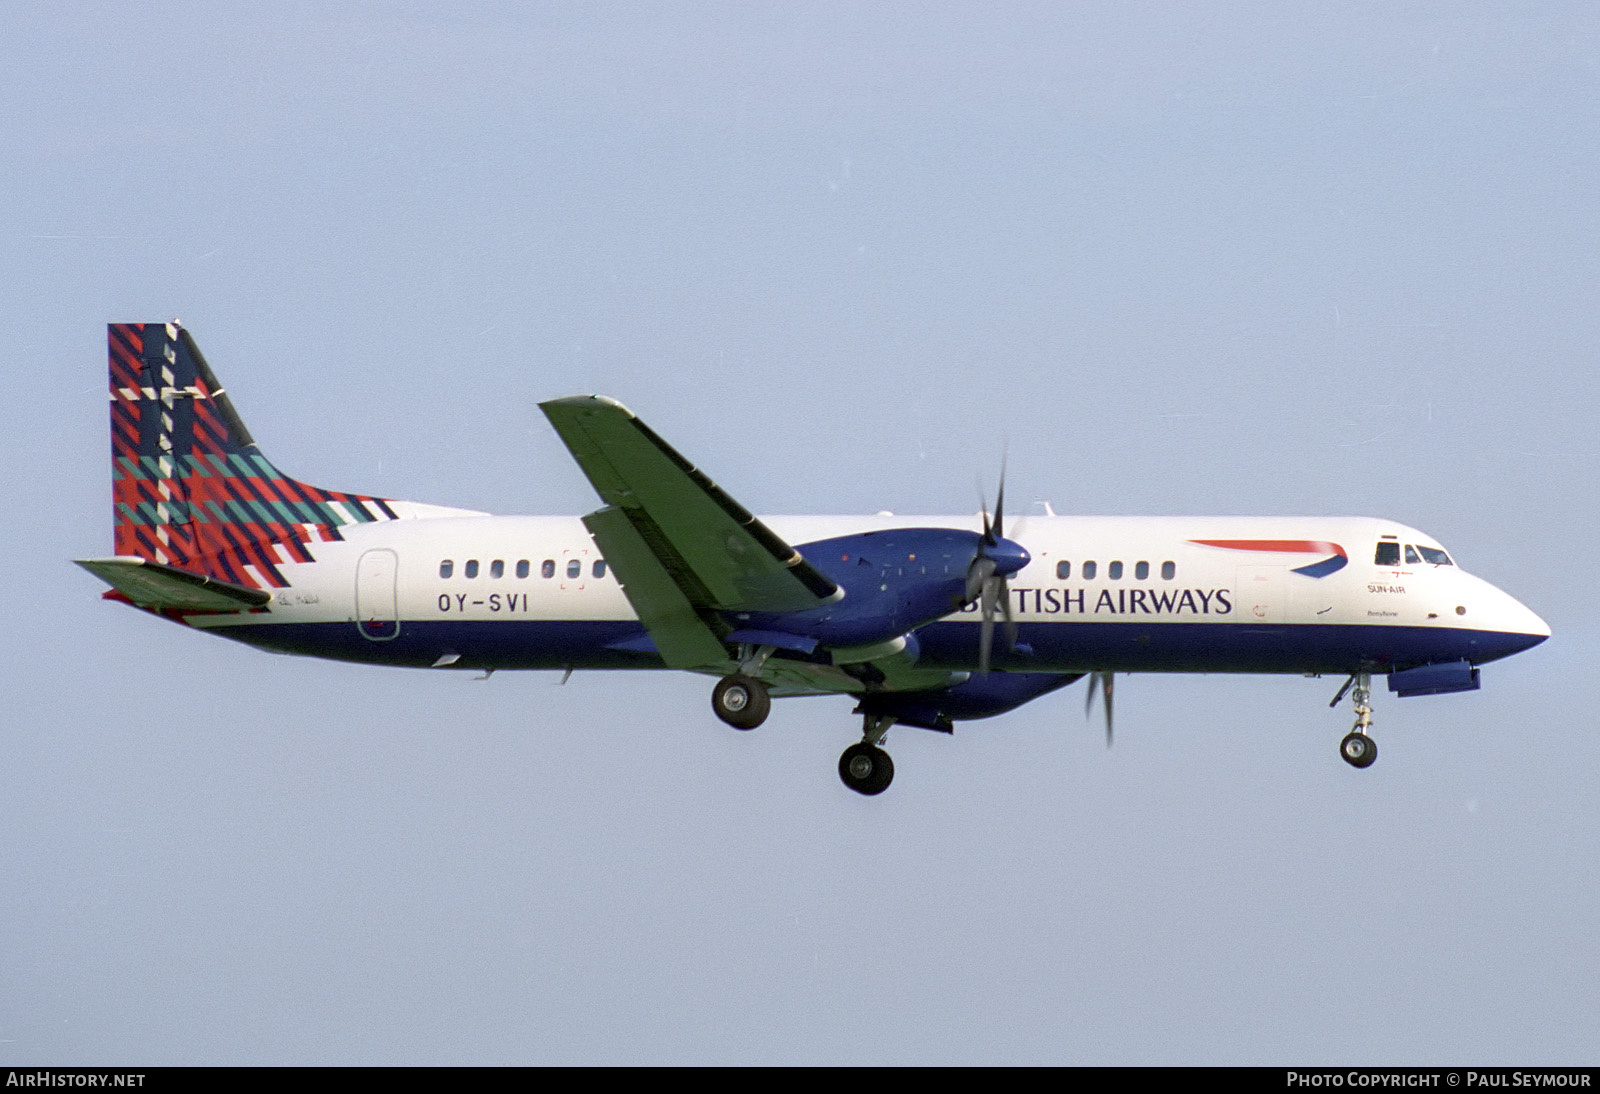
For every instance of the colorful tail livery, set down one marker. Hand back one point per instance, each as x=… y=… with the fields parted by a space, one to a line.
x=191 y=490
x=921 y=621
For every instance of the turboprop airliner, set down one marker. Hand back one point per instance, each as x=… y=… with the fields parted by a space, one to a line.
x=921 y=621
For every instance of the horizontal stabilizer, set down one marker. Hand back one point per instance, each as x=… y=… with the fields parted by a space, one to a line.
x=153 y=585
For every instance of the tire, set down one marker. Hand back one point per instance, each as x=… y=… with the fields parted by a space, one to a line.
x=1358 y=750
x=866 y=769
x=741 y=702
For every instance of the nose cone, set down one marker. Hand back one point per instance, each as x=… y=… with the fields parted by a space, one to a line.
x=1514 y=626
x=1510 y=615
x=1507 y=643
x=1529 y=626
x=1009 y=556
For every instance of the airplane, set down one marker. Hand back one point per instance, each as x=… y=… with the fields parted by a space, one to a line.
x=922 y=621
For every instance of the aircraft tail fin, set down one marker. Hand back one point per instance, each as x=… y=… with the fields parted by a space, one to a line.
x=191 y=489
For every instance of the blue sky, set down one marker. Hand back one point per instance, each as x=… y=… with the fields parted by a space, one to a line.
x=1246 y=259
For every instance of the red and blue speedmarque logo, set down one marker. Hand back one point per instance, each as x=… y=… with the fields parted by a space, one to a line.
x=1331 y=565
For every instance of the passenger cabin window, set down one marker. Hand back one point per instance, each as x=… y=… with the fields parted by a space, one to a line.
x=472 y=567
x=574 y=568
x=1141 y=570
x=446 y=568
x=1114 y=571
x=1088 y=571
x=548 y=568
x=599 y=567
x=1169 y=570
x=497 y=568
x=1388 y=554
x=522 y=567
x=1063 y=570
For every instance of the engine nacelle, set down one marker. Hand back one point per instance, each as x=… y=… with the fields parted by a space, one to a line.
x=979 y=696
x=894 y=581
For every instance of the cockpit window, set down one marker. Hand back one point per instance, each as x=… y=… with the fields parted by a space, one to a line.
x=1411 y=555
x=1434 y=556
x=1388 y=554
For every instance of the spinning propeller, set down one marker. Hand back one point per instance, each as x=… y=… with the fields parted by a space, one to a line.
x=997 y=559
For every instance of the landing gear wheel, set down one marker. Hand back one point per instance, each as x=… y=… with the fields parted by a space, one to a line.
x=866 y=769
x=1358 y=750
x=741 y=702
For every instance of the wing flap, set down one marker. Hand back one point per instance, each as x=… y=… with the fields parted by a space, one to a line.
x=153 y=585
x=684 y=636
x=787 y=678
x=718 y=554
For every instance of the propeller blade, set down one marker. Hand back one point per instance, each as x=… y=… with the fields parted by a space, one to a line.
x=1100 y=683
x=978 y=575
x=1107 y=679
x=986 y=628
x=1000 y=503
x=1005 y=610
x=995 y=593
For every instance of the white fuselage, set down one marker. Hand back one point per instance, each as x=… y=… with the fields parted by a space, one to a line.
x=1101 y=593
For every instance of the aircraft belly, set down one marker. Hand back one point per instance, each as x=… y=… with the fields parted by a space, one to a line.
x=475 y=644
x=1215 y=647
x=952 y=646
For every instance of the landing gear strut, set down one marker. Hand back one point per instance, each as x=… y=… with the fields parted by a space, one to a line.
x=1358 y=748
x=864 y=767
x=741 y=701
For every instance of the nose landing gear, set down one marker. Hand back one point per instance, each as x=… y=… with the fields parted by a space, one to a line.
x=1358 y=748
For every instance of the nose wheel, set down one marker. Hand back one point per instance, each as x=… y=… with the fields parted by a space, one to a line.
x=1358 y=748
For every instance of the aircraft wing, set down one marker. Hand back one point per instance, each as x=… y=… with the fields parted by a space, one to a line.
x=682 y=548
x=898 y=672
x=684 y=634
x=153 y=585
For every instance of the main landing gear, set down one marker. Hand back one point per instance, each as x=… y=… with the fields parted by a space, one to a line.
x=1358 y=748
x=744 y=702
x=741 y=701
x=864 y=767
